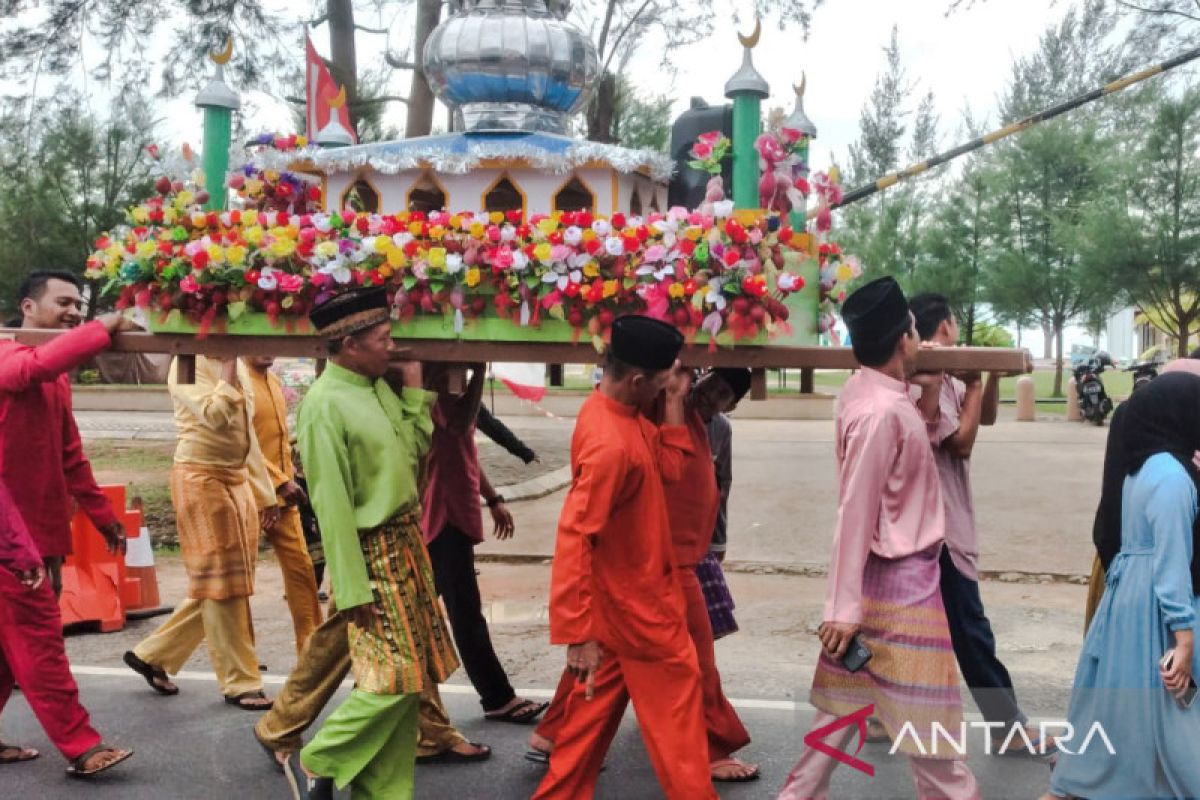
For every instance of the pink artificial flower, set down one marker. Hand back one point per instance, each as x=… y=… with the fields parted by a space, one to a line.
x=290 y=283
x=824 y=219
x=502 y=258
x=790 y=135
x=770 y=148
x=710 y=138
x=188 y=284
x=702 y=150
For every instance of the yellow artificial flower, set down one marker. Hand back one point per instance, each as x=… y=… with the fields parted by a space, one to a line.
x=473 y=277
x=591 y=269
x=437 y=257
x=216 y=254
x=496 y=217
x=610 y=288
x=254 y=235
x=395 y=258
x=186 y=197
x=253 y=186
x=199 y=219
x=383 y=244
x=845 y=273
x=282 y=248
x=236 y=254
x=140 y=215
x=146 y=250
x=385 y=270
x=170 y=216
x=547 y=226
x=271 y=175
x=456 y=222
x=414 y=228
x=693 y=232
x=676 y=290
x=542 y=251
x=477 y=230
x=324 y=249
x=437 y=232
x=588 y=234
x=301 y=141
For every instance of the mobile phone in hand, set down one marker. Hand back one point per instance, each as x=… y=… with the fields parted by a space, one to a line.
x=856 y=656
x=1189 y=697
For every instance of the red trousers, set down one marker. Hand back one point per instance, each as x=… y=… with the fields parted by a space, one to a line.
x=666 y=698
x=726 y=733
x=32 y=654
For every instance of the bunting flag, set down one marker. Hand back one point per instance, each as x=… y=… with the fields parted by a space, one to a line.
x=322 y=94
x=526 y=381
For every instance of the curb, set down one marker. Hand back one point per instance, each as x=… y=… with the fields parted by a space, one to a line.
x=540 y=486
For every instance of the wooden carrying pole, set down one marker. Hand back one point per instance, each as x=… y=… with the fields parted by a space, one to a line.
x=986 y=359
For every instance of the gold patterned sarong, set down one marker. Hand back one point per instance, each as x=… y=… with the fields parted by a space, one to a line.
x=217 y=520
x=409 y=641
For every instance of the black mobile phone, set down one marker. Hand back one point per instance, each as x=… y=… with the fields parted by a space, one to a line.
x=857 y=655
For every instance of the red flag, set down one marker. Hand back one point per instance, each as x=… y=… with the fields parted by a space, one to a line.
x=319 y=90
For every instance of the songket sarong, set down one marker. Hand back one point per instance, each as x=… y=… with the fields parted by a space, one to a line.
x=217 y=520
x=716 y=596
x=912 y=677
x=408 y=642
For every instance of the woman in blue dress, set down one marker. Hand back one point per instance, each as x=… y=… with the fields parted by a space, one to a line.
x=1132 y=737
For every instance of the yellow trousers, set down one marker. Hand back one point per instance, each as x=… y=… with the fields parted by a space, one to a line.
x=299 y=581
x=323 y=664
x=225 y=626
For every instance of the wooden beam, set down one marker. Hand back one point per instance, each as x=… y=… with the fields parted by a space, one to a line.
x=987 y=359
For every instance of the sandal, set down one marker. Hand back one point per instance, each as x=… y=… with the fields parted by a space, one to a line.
x=240 y=701
x=151 y=673
x=23 y=754
x=452 y=756
x=754 y=774
x=302 y=786
x=78 y=766
x=525 y=712
x=537 y=756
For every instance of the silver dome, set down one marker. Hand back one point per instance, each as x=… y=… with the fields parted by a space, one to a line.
x=511 y=65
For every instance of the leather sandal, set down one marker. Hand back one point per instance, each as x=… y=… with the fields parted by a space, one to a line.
x=78 y=766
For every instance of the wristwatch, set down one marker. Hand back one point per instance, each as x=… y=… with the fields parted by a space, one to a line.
x=495 y=500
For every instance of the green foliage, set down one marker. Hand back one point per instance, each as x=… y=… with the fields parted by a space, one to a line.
x=642 y=121
x=988 y=334
x=71 y=180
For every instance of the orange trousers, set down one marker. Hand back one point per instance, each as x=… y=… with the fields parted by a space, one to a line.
x=667 y=699
x=726 y=733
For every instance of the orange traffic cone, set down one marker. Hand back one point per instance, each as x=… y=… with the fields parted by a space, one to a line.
x=93 y=578
x=141 y=580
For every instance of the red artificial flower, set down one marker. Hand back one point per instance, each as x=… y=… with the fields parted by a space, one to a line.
x=731 y=257
x=593 y=246
x=200 y=260
x=618 y=220
x=363 y=224
x=643 y=233
x=513 y=216
x=785 y=234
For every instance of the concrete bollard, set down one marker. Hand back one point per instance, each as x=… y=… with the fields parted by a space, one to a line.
x=1073 y=414
x=1026 y=400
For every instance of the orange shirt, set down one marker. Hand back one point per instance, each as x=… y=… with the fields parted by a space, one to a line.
x=693 y=500
x=613 y=577
x=270 y=426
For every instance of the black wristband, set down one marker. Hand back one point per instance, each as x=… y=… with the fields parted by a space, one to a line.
x=495 y=500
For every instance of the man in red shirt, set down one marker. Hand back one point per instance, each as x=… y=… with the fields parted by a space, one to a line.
x=41 y=457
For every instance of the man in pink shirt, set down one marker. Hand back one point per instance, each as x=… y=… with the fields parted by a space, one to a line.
x=961 y=405
x=453 y=525
x=41 y=456
x=882 y=593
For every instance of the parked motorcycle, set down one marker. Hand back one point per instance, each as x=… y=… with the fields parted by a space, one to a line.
x=1094 y=402
x=1143 y=373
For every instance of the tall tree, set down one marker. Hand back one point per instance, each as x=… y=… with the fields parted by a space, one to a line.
x=1146 y=235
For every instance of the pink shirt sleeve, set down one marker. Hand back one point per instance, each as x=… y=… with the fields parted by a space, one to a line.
x=869 y=450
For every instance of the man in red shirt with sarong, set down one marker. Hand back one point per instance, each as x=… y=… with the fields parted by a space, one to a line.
x=615 y=597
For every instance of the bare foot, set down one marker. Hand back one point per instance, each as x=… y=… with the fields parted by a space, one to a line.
x=732 y=769
x=540 y=743
x=470 y=749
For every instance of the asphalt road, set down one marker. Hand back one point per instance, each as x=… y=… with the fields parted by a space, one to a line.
x=194 y=747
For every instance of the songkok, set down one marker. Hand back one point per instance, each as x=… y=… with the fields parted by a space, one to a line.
x=645 y=343
x=736 y=378
x=351 y=312
x=876 y=313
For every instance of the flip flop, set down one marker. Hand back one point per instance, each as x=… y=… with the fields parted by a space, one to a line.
x=537 y=756
x=525 y=712
x=302 y=786
x=76 y=770
x=150 y=672
x=240 y=701
x=23 y=754
x=452 y=756
x=724 y=762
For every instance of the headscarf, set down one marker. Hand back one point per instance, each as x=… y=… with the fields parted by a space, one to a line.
x=1161 y=417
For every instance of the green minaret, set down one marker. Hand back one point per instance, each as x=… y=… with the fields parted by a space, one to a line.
x=747 y=89
x=218 y=102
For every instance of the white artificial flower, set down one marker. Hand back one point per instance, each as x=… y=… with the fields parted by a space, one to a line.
x=454 y=263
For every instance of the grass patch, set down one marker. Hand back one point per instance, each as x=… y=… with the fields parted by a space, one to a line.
x=143 y=468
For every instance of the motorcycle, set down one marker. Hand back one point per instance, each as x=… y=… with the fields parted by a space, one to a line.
x=1094 y=402
x=1143 y=373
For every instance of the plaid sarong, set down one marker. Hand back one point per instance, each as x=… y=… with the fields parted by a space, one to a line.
x=912 y=676
x=409 y=642
x=716 y=596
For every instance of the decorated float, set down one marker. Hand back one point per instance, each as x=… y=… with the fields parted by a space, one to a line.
x=507 y=239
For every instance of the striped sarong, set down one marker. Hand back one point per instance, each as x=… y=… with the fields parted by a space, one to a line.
x=716 y=596
x=217 y=521
x=912 y=677
x=408 y=643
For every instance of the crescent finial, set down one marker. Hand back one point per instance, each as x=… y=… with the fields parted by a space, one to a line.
x=338 y=100
x=750 y=41
x=225 y=53
x=803 y=82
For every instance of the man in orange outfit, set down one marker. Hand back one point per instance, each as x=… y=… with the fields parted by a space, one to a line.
x=692 y=504
x=615 y=597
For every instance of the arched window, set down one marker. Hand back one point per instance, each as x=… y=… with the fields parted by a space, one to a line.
x=654 y=200
x=361 y=196
x=635 y=203
x=504 y=195
x=426 y=195
x=574 y=196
